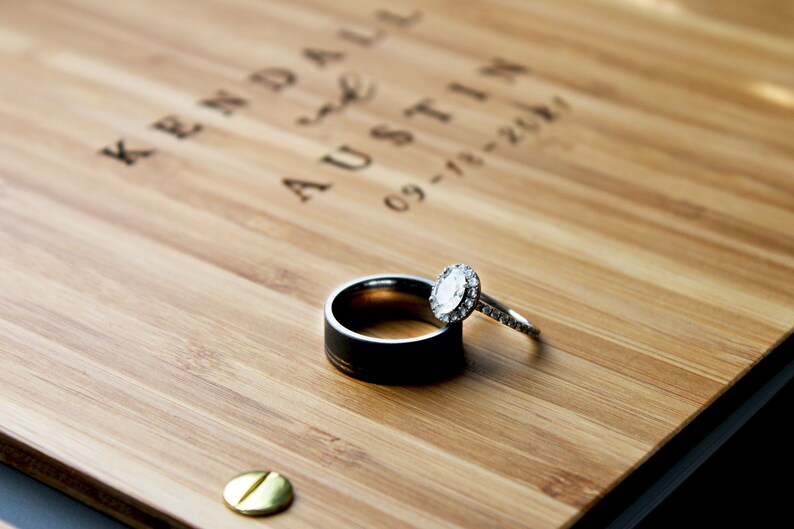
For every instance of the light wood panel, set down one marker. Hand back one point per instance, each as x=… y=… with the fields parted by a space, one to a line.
x=620 y=171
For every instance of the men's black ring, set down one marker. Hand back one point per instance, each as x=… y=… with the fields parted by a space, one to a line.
x=413 y=360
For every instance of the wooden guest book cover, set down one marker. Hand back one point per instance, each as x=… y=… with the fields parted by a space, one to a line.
x=183 y=183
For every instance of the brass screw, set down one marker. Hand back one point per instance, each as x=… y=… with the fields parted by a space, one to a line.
x=258 y=492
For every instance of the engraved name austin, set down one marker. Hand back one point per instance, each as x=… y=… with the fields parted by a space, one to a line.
x=354 y=88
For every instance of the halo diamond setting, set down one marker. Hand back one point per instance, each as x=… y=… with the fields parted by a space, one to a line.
x=455 y=294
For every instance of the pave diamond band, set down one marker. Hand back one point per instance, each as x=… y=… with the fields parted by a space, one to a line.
x=457 y=293
x=506 y=316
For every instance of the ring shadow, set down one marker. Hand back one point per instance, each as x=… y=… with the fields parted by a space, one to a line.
x=456 y=366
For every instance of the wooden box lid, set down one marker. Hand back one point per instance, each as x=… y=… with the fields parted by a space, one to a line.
x=182 y=184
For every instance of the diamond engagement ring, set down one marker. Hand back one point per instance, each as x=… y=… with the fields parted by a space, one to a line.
x=457 y=293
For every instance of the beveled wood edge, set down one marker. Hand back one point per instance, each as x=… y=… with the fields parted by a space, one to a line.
x=638 y=493
x=83 y=487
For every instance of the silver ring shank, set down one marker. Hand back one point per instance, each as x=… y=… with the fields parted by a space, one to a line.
x=504 y=314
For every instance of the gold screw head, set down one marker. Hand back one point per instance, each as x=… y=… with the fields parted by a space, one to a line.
x=257 y=493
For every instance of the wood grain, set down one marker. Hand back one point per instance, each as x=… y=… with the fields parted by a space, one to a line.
x=161 y=322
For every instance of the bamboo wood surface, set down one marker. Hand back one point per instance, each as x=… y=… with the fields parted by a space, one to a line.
x=622 y=172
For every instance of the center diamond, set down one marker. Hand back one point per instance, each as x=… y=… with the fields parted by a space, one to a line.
x=450 y=291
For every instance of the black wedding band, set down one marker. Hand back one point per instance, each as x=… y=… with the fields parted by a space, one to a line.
x=421 y=359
